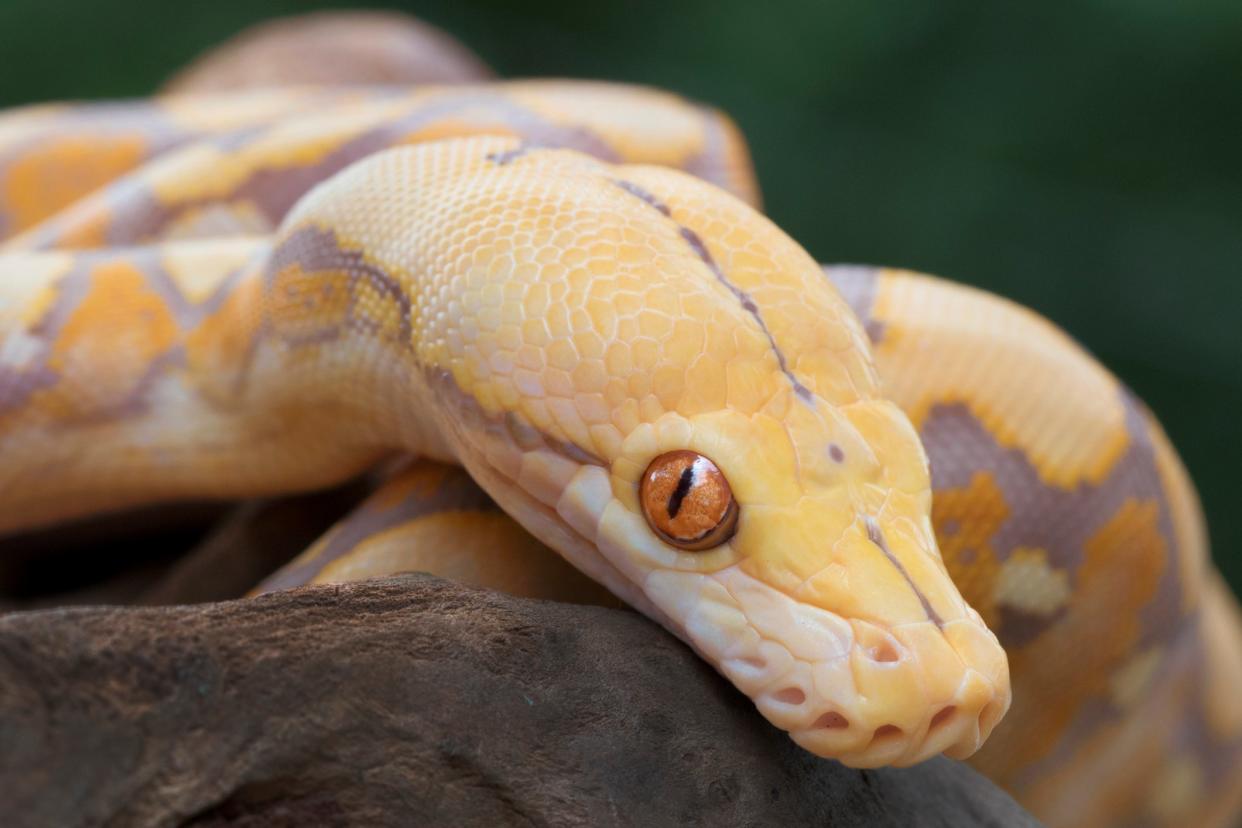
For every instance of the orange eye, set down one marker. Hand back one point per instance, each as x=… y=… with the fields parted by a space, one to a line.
x=687 y=501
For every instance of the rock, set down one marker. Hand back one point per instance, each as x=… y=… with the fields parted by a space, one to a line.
x=412 y=701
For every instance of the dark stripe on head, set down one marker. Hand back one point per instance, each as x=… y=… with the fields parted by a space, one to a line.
x=700 y=249
x=748 y=303
x=502 y=158
x=876 y=535
x=646 y=195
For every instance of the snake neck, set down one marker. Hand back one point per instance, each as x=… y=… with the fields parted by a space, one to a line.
x=340 y=333
x=336 y=341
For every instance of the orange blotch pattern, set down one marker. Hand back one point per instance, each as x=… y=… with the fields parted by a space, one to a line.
x=217 y=350
x=310 y=306
x=108 y=345
x=965 y=521
x=1073 y=662
x=61 y=171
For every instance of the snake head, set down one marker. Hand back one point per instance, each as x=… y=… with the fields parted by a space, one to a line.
x=827 y=603
x=662 y=386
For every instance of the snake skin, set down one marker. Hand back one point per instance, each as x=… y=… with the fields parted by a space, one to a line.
x=550 y=321
x=1124 y=646
x=51 y=155
x=241 y=172
x=429 y=517
x=1068 y=521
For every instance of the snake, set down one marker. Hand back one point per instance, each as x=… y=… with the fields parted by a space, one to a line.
x=904 y=516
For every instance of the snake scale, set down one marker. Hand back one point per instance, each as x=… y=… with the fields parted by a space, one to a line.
x=846 y=487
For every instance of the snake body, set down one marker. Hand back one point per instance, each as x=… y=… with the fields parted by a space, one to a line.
x=235 y=164
x=1068 y=521
x=1124 y=646
x=223 y=303
x=551 y=322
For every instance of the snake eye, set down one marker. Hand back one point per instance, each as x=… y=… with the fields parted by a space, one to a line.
x=687 y=501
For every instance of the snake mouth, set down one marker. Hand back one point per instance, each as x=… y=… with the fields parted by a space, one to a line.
x=957 y=728
x=879 y=704
x=848 y=689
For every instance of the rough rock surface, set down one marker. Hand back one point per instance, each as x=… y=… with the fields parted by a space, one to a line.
x=412 y=701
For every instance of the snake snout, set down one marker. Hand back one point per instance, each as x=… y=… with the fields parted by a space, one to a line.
x=956 y=728
x=863 y=692
x=895 y=698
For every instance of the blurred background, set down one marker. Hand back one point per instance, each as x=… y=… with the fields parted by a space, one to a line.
x=1083 y=158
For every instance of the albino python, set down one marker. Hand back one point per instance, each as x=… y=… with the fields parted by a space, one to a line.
x=565 y=289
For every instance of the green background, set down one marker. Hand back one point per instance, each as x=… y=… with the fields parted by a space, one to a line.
x=1081 y=158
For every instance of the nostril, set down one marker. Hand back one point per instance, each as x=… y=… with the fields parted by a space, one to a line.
x=790 y=695
x=883 y=652
x=876 y=644
x=832 y=721
x=885 y=733
x=942 y=716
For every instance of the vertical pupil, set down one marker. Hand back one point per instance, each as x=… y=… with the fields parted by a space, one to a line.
x=683 y=488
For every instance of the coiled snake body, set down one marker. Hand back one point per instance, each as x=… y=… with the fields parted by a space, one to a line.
x=219 y=304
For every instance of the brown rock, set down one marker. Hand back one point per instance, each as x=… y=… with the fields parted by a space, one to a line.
x=412 y=701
